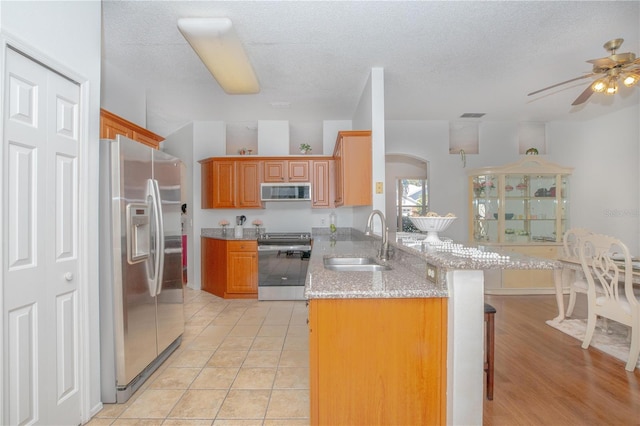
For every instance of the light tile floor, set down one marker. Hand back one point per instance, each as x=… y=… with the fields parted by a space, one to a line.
x=241 y=362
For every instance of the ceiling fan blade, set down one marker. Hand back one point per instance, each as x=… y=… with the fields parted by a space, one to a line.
x=564 y=82
x=584 y=96
x=603 y=62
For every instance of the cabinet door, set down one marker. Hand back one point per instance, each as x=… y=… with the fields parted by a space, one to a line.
x=321 y=184
x=339 y=177
x=214 y=265
x=346 y=346
x=112 y=125
x=142 y=138
x=242 y=266
x=109 y=129
x=223 y=184
x=356 y=174
x=298 y=171
x=206 y=184
x=275 y=171
x=249 y=184
x=356 y=169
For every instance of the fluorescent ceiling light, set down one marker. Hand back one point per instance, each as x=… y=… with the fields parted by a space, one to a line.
x=221 y=51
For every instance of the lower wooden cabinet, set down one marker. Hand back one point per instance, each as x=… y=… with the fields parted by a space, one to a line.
x=378 y=361
x=230 y=268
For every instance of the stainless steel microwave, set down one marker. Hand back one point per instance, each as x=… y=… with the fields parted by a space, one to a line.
x=291 y=191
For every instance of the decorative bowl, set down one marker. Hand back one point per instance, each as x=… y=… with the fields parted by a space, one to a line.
x=435 y=223
x=432 y=225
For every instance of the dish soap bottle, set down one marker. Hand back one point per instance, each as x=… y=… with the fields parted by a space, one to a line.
x=332 y=223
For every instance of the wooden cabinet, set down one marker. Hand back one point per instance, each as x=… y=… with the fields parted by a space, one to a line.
x=248 y=174
x=378 y=361
x=353 y=169
x=322 y=185
x=242 y=267
x=280 y=170
x=520 y=207
x=230 y=268
x=112 y=125
x=228 y=183
x=213 y=265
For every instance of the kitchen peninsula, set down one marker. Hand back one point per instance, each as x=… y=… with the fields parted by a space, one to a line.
x=404 y=345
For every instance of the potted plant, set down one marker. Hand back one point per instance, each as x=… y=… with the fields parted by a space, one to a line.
x=305 y=148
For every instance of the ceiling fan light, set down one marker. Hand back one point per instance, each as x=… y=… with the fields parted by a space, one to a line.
x=612 y=86
x=599 y=86
x=631 y=79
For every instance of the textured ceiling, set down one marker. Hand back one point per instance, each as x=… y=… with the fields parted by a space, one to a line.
x=440 y=59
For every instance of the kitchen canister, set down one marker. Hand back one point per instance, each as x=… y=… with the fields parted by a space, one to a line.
x=238 y=231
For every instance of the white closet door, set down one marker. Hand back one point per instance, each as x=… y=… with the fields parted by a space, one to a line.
x=41 y=246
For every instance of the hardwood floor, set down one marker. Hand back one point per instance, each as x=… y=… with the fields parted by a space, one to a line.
x=544 y=377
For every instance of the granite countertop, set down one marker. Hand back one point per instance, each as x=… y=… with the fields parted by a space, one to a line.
x=247 y=235
x=408 y=262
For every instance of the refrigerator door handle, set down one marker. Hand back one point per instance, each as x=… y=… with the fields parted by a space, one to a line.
x=157 y=203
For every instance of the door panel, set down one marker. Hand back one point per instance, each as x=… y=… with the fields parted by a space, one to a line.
x=135 y=306
x=41 y=223
x=166 y=170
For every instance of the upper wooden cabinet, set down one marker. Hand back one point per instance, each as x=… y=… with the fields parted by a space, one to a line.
x=228 y=184
x=112 y=125
x=353 y=169
x=322 y=184
x=279 y=170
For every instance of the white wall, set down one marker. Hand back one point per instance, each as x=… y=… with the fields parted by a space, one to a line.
x=429 y=140
x=369 y=115
x=66 y=35
x=330 y=129
x=604 y=185
x=122 y=95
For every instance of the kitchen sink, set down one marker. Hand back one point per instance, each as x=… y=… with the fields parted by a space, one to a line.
x=354 y=264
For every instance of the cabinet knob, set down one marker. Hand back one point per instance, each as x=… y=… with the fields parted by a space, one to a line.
x=68 y=276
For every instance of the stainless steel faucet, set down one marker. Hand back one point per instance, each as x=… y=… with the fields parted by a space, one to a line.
x=384 y=248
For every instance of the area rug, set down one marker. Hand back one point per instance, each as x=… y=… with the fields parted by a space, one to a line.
x=613 y=341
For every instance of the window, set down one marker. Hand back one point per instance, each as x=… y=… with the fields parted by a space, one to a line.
x=412 y=199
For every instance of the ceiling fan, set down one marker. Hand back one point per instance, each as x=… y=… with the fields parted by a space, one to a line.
x=608 y=70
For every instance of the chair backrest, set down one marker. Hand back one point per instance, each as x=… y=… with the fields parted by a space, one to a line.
x=571 y=241
x=609 y=263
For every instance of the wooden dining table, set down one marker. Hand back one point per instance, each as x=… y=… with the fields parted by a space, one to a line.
x=563 y=277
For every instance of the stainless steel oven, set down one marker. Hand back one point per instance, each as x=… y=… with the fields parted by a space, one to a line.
x=283 y=259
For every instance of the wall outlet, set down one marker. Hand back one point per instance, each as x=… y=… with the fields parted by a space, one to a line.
x=379 y=188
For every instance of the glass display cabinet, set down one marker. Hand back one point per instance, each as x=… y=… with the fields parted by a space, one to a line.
x=522 y=207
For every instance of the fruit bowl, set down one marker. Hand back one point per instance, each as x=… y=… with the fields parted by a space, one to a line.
x=432 y=225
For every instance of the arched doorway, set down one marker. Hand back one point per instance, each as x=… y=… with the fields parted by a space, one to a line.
x=409 y=178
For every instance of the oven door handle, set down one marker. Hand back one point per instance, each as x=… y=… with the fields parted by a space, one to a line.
x=283 y=248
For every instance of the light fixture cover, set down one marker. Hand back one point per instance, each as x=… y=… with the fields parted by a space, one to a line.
x=221 y=51
x=599 y=86
x=631 y=80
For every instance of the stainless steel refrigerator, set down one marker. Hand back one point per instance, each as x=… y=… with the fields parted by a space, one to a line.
x=141 y=294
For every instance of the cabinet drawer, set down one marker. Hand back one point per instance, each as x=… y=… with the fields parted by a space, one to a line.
x=242 y=246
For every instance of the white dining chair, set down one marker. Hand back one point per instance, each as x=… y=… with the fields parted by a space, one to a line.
x=610 y=291
x=570 y=244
